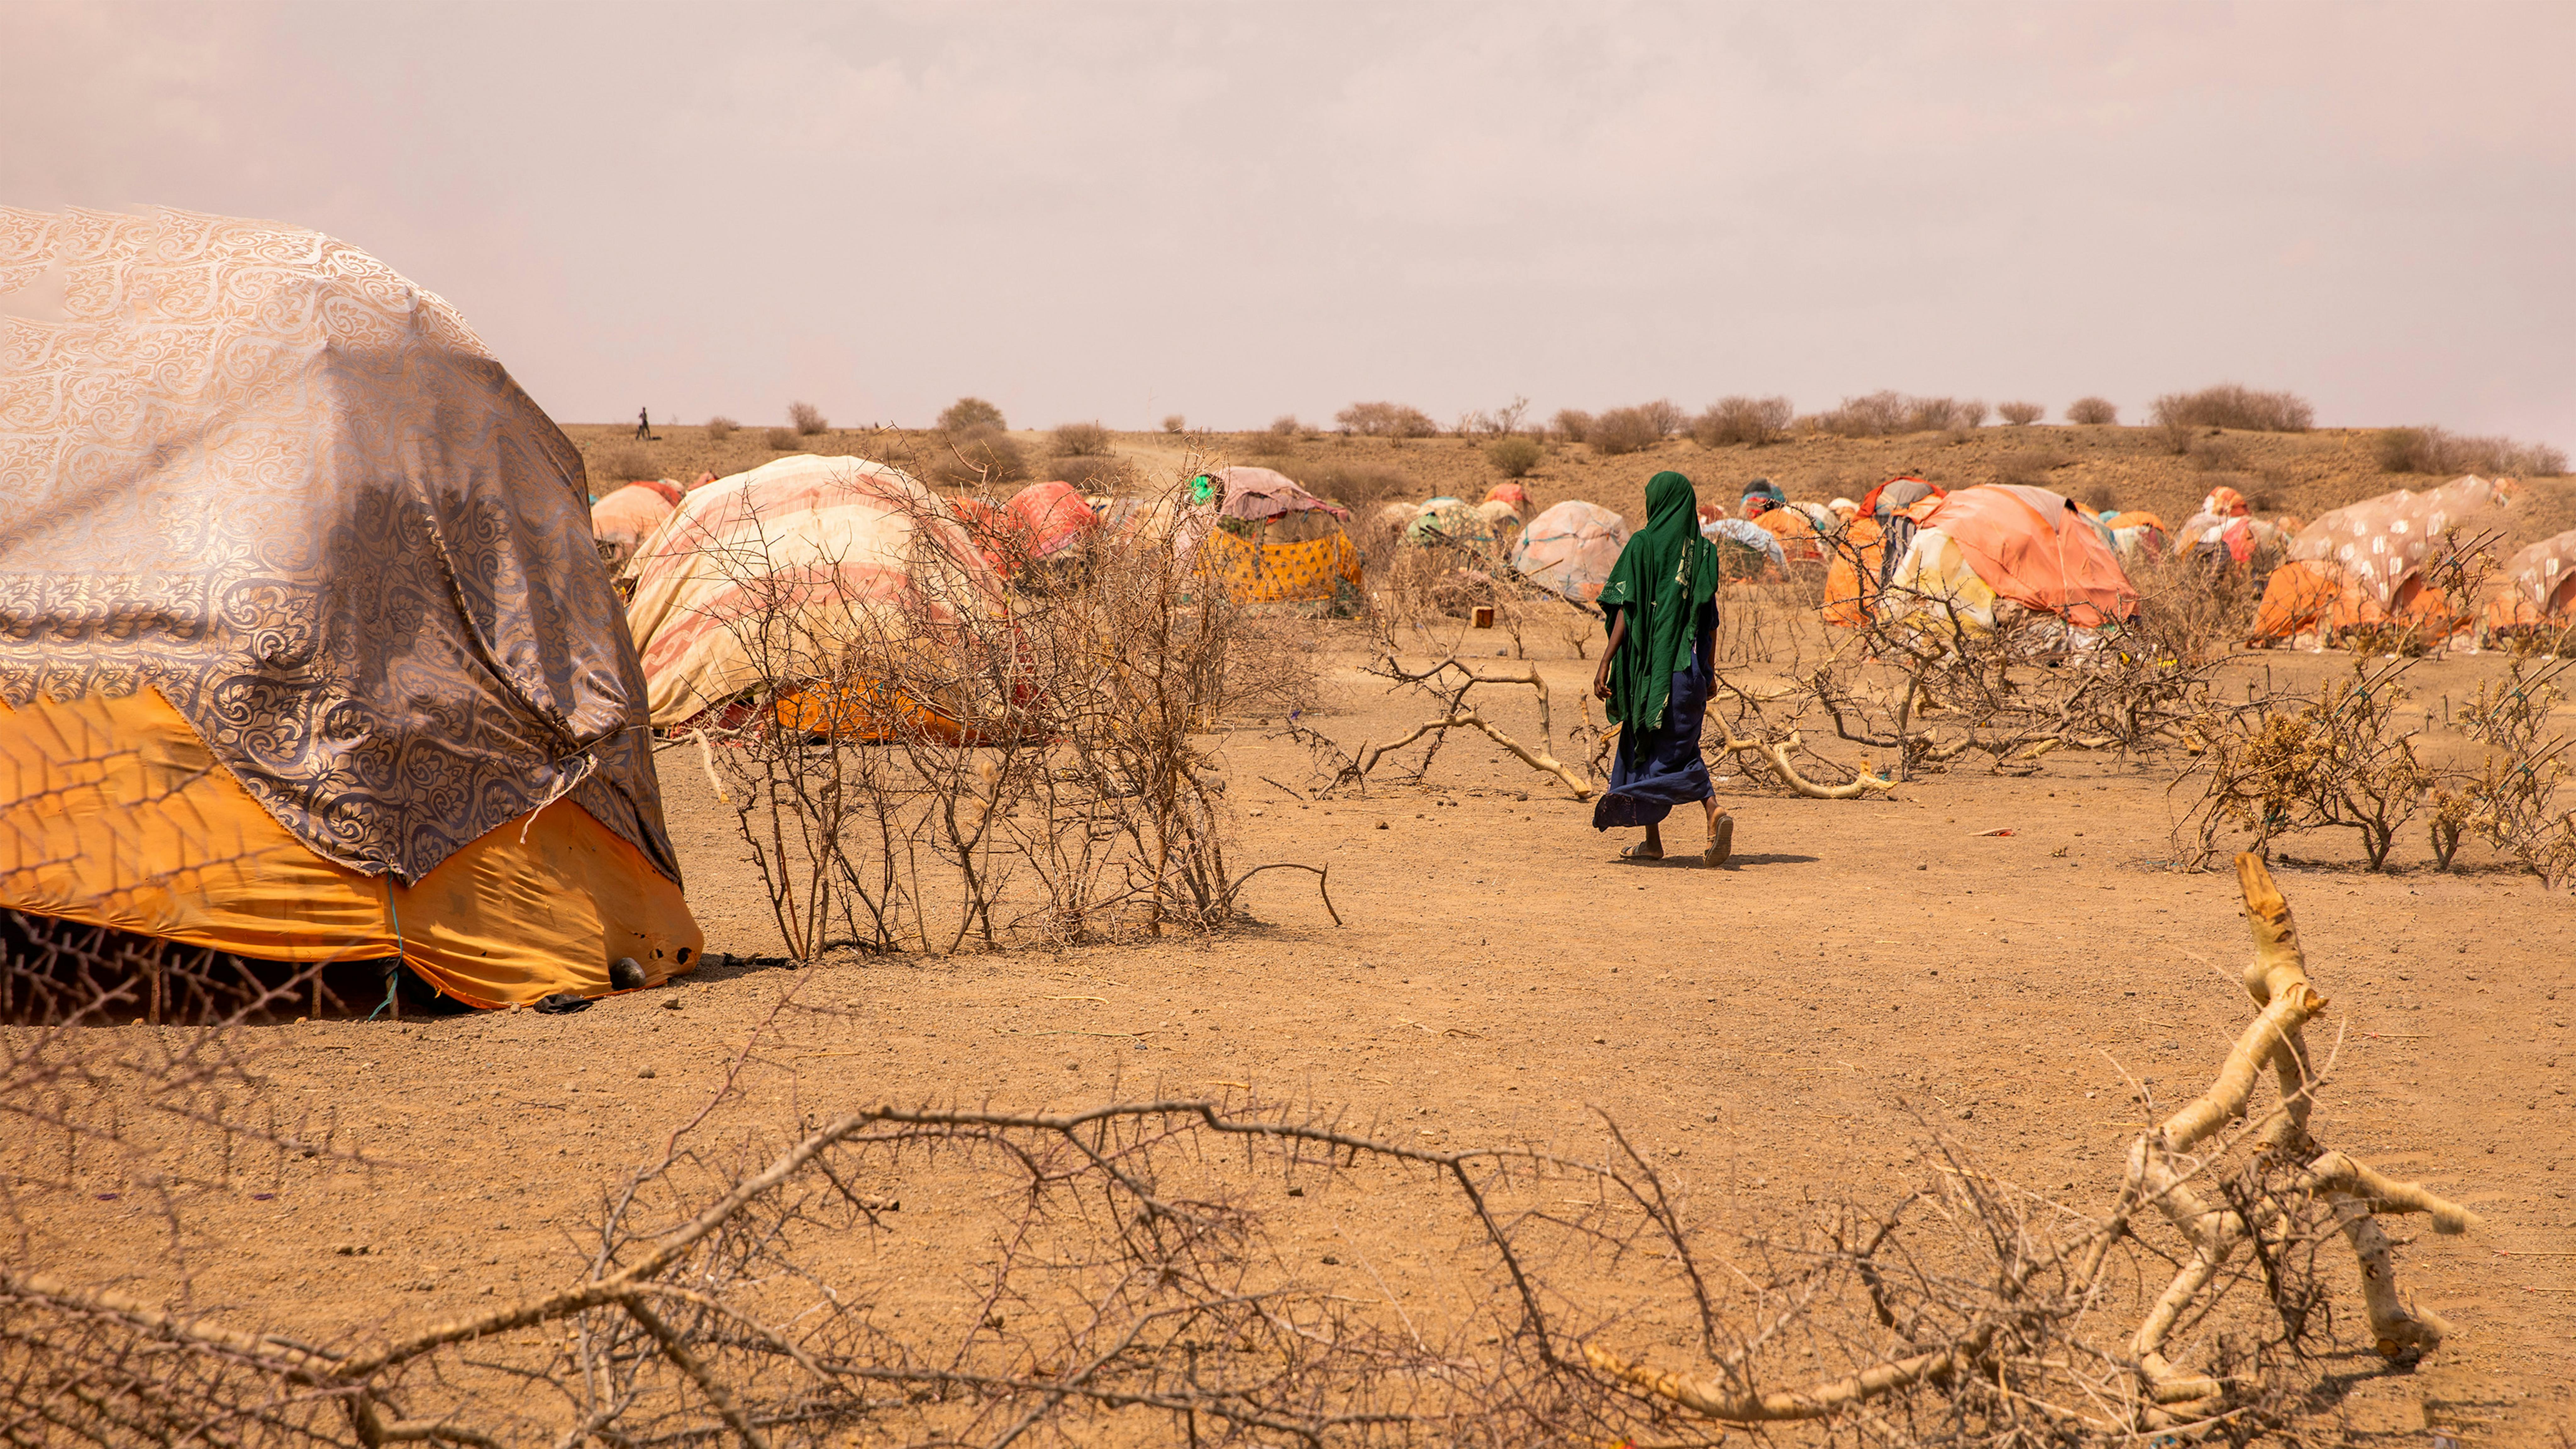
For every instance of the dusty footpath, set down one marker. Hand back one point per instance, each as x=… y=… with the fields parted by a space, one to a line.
x=1790 y=1028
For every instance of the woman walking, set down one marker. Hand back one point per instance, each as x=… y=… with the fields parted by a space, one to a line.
x=1661 y=604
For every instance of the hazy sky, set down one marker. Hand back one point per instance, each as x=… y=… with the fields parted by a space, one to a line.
x=1233 y=211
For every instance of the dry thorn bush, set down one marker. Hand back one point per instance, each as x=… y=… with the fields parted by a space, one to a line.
x=1514 y=457
x=1750 y=420
x=2232 y=405
x=807 y=419
x=720 y=428
x=2092 y=412
x=1621 y=431
x=971 y=414
x=1386 y=420
x=2020 y=414
x=934 y=768
x=1174 y=422
x=2341 y=759
x=1081 y=440
x=1573 y=426
x=781 y=440
x=979 y=458
x=628 y=464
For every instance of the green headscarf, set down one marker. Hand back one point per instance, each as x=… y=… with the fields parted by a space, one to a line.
x=1663 y=575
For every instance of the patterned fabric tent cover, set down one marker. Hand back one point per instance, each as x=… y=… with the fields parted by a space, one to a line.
x=2363 y=563
x=1255 y=494
x=276 y=511
x=628 y=516
x=789 y=561
x=1571 y=548
x=1452 y=521
x=2537 y=585
x=1311 y=571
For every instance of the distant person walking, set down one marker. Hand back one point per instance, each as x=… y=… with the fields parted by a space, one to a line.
x=1662 y=606
x=644 y=423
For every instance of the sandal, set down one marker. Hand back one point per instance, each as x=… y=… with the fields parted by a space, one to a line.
x=1721 y=841
x=1636 y=854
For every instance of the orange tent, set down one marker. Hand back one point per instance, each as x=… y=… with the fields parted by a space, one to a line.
x=2012 y=542
x=1860 y=562
x=313 y=658
x=2364 y=563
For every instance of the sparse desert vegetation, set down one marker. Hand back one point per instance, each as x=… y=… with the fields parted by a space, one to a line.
x=1751 y=420
x=1386 y=420
x=807 y=419
x=2092 y=412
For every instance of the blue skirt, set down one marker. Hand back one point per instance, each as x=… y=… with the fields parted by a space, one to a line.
x=1654 y=771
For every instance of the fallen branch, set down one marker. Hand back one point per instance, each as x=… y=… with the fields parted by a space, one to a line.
x=1776 y=755
x=1323 y=877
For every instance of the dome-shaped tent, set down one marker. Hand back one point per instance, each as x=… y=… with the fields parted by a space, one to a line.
x=308 y=655
x=2365 y=563
x=770 y=577
x=2006 y=542
x=1571 y=548
x=623 y=519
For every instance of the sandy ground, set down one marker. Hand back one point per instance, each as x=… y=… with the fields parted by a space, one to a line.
x=1788 y=1029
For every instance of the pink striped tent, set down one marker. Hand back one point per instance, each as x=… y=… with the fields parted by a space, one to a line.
x=768 y=576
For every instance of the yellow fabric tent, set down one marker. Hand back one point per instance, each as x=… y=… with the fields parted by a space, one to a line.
x=305 y=650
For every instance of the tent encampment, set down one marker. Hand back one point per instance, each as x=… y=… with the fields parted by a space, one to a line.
x=1571 y=548
x=770 y=577
x=2005 y=543
x=2365 y=563
x=309 y=656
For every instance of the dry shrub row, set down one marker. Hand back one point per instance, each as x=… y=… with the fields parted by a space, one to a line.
x=1886 y=414
x=2233 y=405
x=2434 y=450
x=2352 y=756
x=1386 y=420
x=1754 y=420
